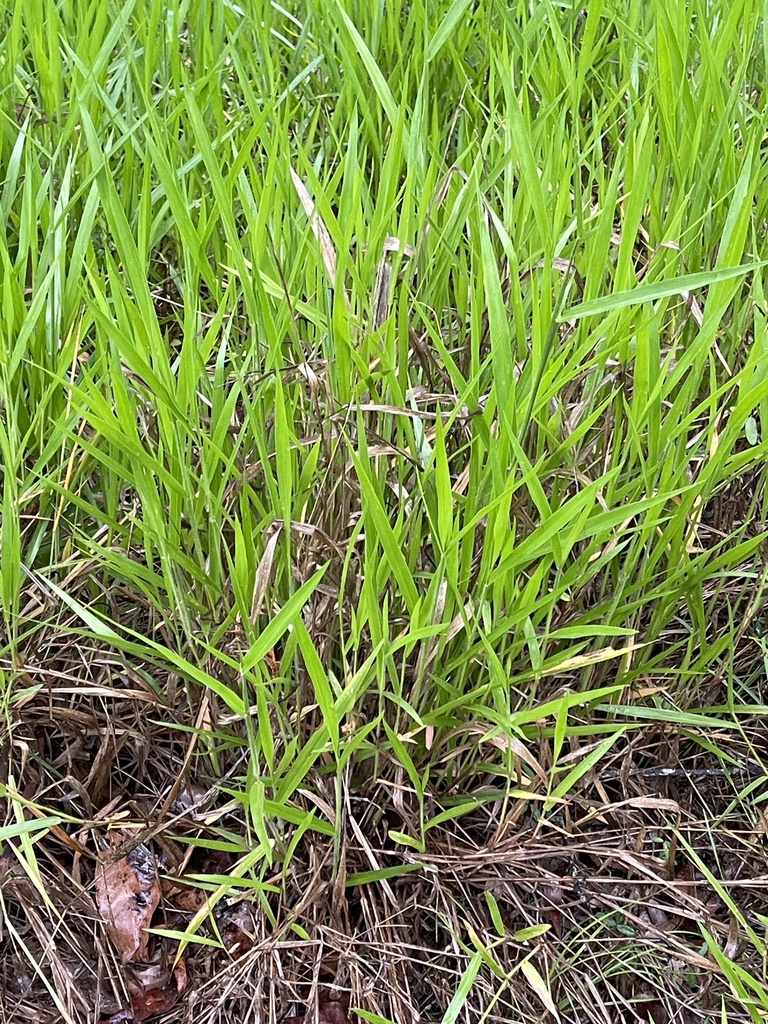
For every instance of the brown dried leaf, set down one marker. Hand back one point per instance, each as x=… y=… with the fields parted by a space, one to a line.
x=161 y=999
x=124 y=1016
x=333 y=1012
x=189 y=901
x=128 y=892
x=151 y=1001
x=237 y=928
x=329 y=1011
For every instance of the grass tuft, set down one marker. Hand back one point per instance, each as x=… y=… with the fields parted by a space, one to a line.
x=383 y=411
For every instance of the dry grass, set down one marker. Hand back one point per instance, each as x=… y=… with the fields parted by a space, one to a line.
x=608 y=891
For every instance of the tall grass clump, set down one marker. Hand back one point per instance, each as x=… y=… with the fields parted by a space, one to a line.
x=383 y=404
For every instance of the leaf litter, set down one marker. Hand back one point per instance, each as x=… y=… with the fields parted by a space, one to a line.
x=330 y=1009
x=128 y=893
x=158 y=992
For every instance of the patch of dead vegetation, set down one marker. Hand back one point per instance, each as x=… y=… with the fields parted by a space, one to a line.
x=607 y=895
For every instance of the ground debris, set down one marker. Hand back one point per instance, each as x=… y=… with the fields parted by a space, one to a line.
x=330 y=1010
x=158 y=990
x=128 y=893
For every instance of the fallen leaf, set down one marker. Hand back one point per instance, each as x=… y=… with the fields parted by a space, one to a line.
x=128 y=892
x=161 y=999
x=329 y=1011
x=121 y=1017
x=189 y=901
x=333 y=1012
x=154 y=1000
x=146 y=977
x=237 y=926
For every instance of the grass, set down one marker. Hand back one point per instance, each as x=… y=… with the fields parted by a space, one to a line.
x=384 y=393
